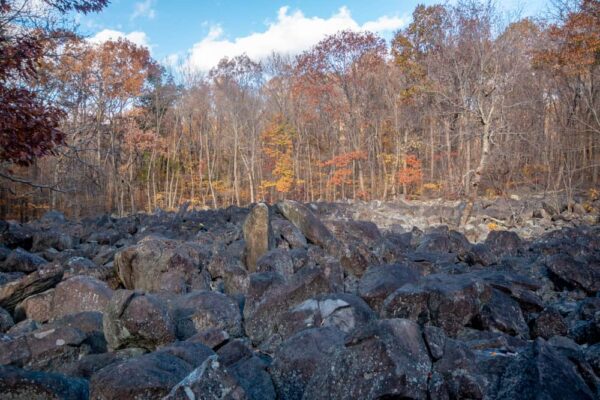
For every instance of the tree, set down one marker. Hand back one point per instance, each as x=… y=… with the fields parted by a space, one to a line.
x=29 y=125
x=277 y=149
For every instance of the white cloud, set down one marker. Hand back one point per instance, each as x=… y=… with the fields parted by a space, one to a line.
x=291 y=33
x=144 y=9
x=137 y=37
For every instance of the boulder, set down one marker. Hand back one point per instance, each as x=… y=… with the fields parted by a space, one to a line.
x=80 y=293
x=549 y=323
x=19 y=384
x=258 y=235
x=504 y=242
x=297 y=359
x=20 y=260
x=162 y=265
x=542 y=373
x=6 y=320
x=263 y=312
x=447 y=301
x=567 y=272
x=133 y=319
x=202 y=310
x=14 y=292
x=276 y=260
x=343 y=311
x=379 y=282
x=231 y=270
x=150 y=376
x=387 y=359
x=285 y=231
x=44 y=349
x=502 y=313
x=52 y=238
x=14 y=235
x=37 y=307
x=310 y=226
x=210 y=381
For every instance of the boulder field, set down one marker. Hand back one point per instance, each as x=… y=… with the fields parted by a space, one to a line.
x=301 y=301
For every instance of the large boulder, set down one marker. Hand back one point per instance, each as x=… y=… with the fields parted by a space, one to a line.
x=150 y=376
x=297 y=359
x=20 y=260
x=37 y=307
x=80 y=293
x=258 y=235
x=567 y=272
x=343 y=311
x=14 y=235
x=270 y=299
x=133 y=319
x=52 y=238
x=44 y=349
x=379 y=282
x=287 y=235
x=312 y=228
x=210 y=381
x=447 y=301
x=387 y=359
x=162 y=265
x=19 y=384
x=6 y=320
x=542 y=373
x=202 y=310
x=506 y=243
x=277 y=260
x=14 y=292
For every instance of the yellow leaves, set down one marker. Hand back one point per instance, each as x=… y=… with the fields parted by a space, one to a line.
x=492 y=226
x=593 y=194
x=433 y=186
x=278 y=149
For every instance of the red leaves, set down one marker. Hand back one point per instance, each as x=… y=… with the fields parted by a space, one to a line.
x=28 y=125
x=343 y=160
x=413 y=173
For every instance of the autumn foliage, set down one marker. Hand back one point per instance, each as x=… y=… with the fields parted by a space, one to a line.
x=29 y=125
x=459 y=103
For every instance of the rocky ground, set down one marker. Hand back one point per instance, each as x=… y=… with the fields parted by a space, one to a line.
x=292 y=301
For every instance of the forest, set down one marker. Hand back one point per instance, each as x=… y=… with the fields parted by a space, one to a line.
x=465 y=101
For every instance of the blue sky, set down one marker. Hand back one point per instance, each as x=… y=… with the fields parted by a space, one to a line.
x=202 y=32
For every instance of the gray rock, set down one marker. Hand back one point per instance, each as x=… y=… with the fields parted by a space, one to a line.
x=258 y=235
x=20 y=260
x=6 y=320
x=202 y=310
x=388 y=358
x=297 y=359
x=14 y=292
x=37 y=307
x=18 y=384
x=160 y=265
x=133 y=319
x=80 y=293
x=379 y=282
x=149 y=376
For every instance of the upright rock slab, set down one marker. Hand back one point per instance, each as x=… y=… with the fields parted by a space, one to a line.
x=258 y=235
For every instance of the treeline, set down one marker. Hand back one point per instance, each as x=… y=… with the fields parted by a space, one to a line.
x=460 y=104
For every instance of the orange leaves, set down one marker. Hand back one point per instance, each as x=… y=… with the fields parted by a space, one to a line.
x=342 y=174
x=412 y=173
x=278 y=149
x=343 y=160
x=576 y=42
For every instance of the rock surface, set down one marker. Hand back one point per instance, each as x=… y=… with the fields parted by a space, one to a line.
x=303 y=301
